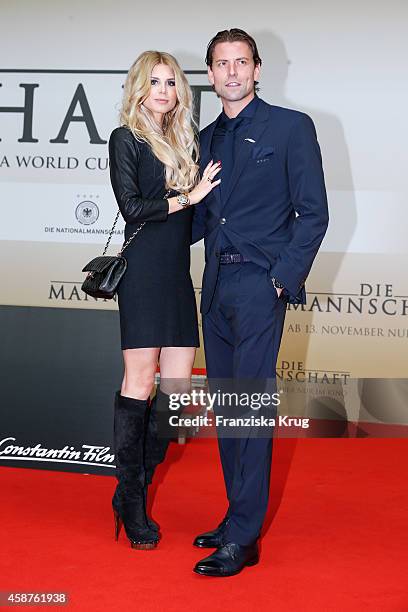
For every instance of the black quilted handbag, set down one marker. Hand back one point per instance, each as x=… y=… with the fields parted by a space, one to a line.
x=104 y=275
x=106 y=271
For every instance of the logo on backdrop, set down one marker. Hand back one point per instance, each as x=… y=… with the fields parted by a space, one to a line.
x=87 y=111
x=367 y=299
x=70 y=291
x=297 y=371
x=366 y=303
x=88 y=454
x=87 y=212
x=89 y=222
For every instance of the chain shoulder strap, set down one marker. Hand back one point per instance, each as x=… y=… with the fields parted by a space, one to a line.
x=135 y=233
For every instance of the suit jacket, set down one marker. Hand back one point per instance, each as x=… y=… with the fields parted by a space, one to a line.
x=275 y=206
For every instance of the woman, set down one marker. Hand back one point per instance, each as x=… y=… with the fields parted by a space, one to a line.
x=154 y=175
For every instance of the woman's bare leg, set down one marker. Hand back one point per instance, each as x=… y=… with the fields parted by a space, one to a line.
x=176 y=364
x=140 y=368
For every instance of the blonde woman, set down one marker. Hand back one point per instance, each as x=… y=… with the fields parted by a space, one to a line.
x=154 y=175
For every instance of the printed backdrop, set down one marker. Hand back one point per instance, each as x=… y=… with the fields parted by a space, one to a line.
x=61 y=78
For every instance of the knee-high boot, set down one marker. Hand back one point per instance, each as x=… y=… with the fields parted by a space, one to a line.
x=157 y=440
x=128 y=500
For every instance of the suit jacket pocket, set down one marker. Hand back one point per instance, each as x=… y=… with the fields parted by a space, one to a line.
x=261 y=153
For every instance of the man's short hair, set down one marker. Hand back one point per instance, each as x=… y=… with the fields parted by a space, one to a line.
x=233 y=35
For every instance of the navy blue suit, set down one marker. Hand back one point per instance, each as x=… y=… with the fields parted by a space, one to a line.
x=274 y=177
x=273 y=211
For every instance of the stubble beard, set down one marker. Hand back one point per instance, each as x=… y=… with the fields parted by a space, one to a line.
x=232 y=96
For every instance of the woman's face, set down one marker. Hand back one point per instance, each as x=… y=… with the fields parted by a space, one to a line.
x=163 y=95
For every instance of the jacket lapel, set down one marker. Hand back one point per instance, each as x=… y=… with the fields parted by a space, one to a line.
x=254 y=131
x=205 y=158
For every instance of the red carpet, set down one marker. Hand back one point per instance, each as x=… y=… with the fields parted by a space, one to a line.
x=337 y=538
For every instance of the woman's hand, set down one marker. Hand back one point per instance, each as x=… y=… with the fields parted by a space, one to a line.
x=203 y=188
x=206 y=184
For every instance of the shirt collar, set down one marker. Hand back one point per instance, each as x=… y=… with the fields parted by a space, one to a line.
x=248 y=110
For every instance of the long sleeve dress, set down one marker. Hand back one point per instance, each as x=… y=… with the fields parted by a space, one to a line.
x=156 y=299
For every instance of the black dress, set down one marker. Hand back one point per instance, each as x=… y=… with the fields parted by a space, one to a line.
x=156 y=299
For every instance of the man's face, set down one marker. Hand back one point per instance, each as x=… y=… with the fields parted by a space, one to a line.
x=233 y=71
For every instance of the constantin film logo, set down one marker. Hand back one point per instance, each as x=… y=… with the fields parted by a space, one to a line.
x=88 y=454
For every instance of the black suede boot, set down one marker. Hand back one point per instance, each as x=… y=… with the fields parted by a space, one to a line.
x=128 y=500
x=157 y=440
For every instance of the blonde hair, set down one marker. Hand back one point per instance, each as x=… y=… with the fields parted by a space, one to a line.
x=175 y=145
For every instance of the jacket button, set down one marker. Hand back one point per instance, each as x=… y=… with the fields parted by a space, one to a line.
x=223 y=220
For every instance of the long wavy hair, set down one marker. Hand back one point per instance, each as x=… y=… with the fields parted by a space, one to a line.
x=175 y=143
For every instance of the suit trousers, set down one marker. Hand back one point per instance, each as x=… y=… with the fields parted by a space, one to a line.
x=242 y=334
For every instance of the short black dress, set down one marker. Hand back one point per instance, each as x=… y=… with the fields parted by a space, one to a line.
x=156 y=298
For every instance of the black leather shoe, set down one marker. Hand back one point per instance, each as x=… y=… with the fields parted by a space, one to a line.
x=228 y=560
x=212 y=539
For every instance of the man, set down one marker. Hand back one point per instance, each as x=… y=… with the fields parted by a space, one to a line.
x=262 y=227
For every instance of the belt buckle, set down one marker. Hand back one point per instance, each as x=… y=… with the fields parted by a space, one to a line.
x=231 y=258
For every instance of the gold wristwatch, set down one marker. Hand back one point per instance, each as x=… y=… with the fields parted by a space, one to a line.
x=183 y=200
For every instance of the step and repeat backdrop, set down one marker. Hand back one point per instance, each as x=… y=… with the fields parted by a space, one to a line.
x=61 y=84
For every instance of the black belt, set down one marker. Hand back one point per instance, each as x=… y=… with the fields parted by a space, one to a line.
x=232 y=258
